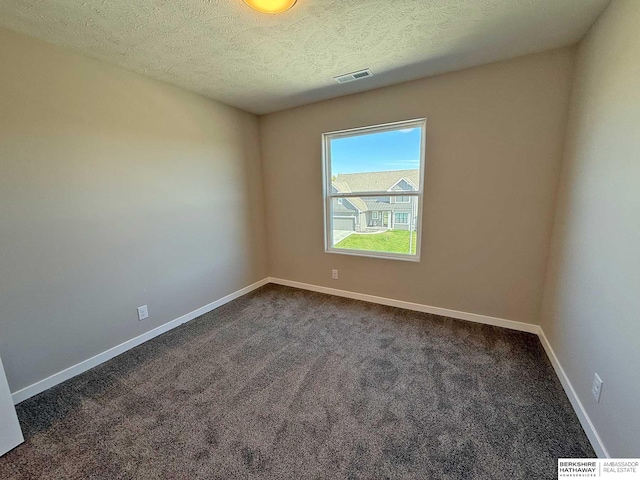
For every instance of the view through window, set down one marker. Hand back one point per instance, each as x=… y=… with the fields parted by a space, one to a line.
x=373 y=190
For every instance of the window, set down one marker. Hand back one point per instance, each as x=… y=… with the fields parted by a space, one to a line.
x=377 y=169
x=402 y=218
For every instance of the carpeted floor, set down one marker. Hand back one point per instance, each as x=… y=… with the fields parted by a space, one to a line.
x=288 y=384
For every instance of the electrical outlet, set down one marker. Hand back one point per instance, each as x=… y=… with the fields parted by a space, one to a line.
x=596 y=389
x=334 y=274
x=143 y=312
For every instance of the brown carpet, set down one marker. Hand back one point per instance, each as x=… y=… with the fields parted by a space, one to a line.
x=286 y=384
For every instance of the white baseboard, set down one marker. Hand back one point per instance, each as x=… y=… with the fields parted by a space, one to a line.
x=585 y=421
x=96 y=360
x=418 y=307
x=85 y=365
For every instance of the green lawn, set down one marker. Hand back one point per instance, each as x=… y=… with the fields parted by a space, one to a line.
x=392 y=241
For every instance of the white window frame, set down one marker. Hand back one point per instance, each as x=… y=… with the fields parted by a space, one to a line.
x=399 y=201
x=329 y=195
x=374 y=215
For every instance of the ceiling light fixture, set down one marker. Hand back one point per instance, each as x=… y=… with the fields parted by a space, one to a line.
x=271 y=6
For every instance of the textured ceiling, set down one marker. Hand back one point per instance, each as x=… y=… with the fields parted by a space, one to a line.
x=263 y=63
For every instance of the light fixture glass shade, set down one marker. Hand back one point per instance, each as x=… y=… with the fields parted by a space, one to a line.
x=271 y=6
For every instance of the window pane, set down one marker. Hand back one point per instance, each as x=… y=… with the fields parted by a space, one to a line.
x=384 y=161
x=379 y=161
x=356 y=227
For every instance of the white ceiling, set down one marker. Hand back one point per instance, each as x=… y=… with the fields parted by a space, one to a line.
x=263 y=63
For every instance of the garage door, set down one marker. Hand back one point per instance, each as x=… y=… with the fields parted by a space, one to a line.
x=344 y=223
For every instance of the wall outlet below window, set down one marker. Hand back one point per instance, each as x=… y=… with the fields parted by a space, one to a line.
x=596 y=389
x=143 y=312
x=334 y=274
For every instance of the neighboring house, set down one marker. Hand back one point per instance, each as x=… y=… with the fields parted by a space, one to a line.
x=359 y=213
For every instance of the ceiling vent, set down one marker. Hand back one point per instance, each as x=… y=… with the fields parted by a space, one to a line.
x=352 y=77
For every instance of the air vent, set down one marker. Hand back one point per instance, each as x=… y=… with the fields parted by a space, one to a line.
x=351 y=77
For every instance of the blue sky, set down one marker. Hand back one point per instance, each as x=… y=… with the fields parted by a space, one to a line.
x=376 y=152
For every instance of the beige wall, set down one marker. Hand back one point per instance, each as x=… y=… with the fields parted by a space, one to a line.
x=494 y=143
x=116 y=191
x=591 y=312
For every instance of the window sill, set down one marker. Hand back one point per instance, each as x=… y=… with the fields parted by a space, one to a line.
x=378 y=255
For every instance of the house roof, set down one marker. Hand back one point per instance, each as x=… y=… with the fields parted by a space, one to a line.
x=342 y=187
x=358 y=203
x=379 y=206
x=374 y=181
